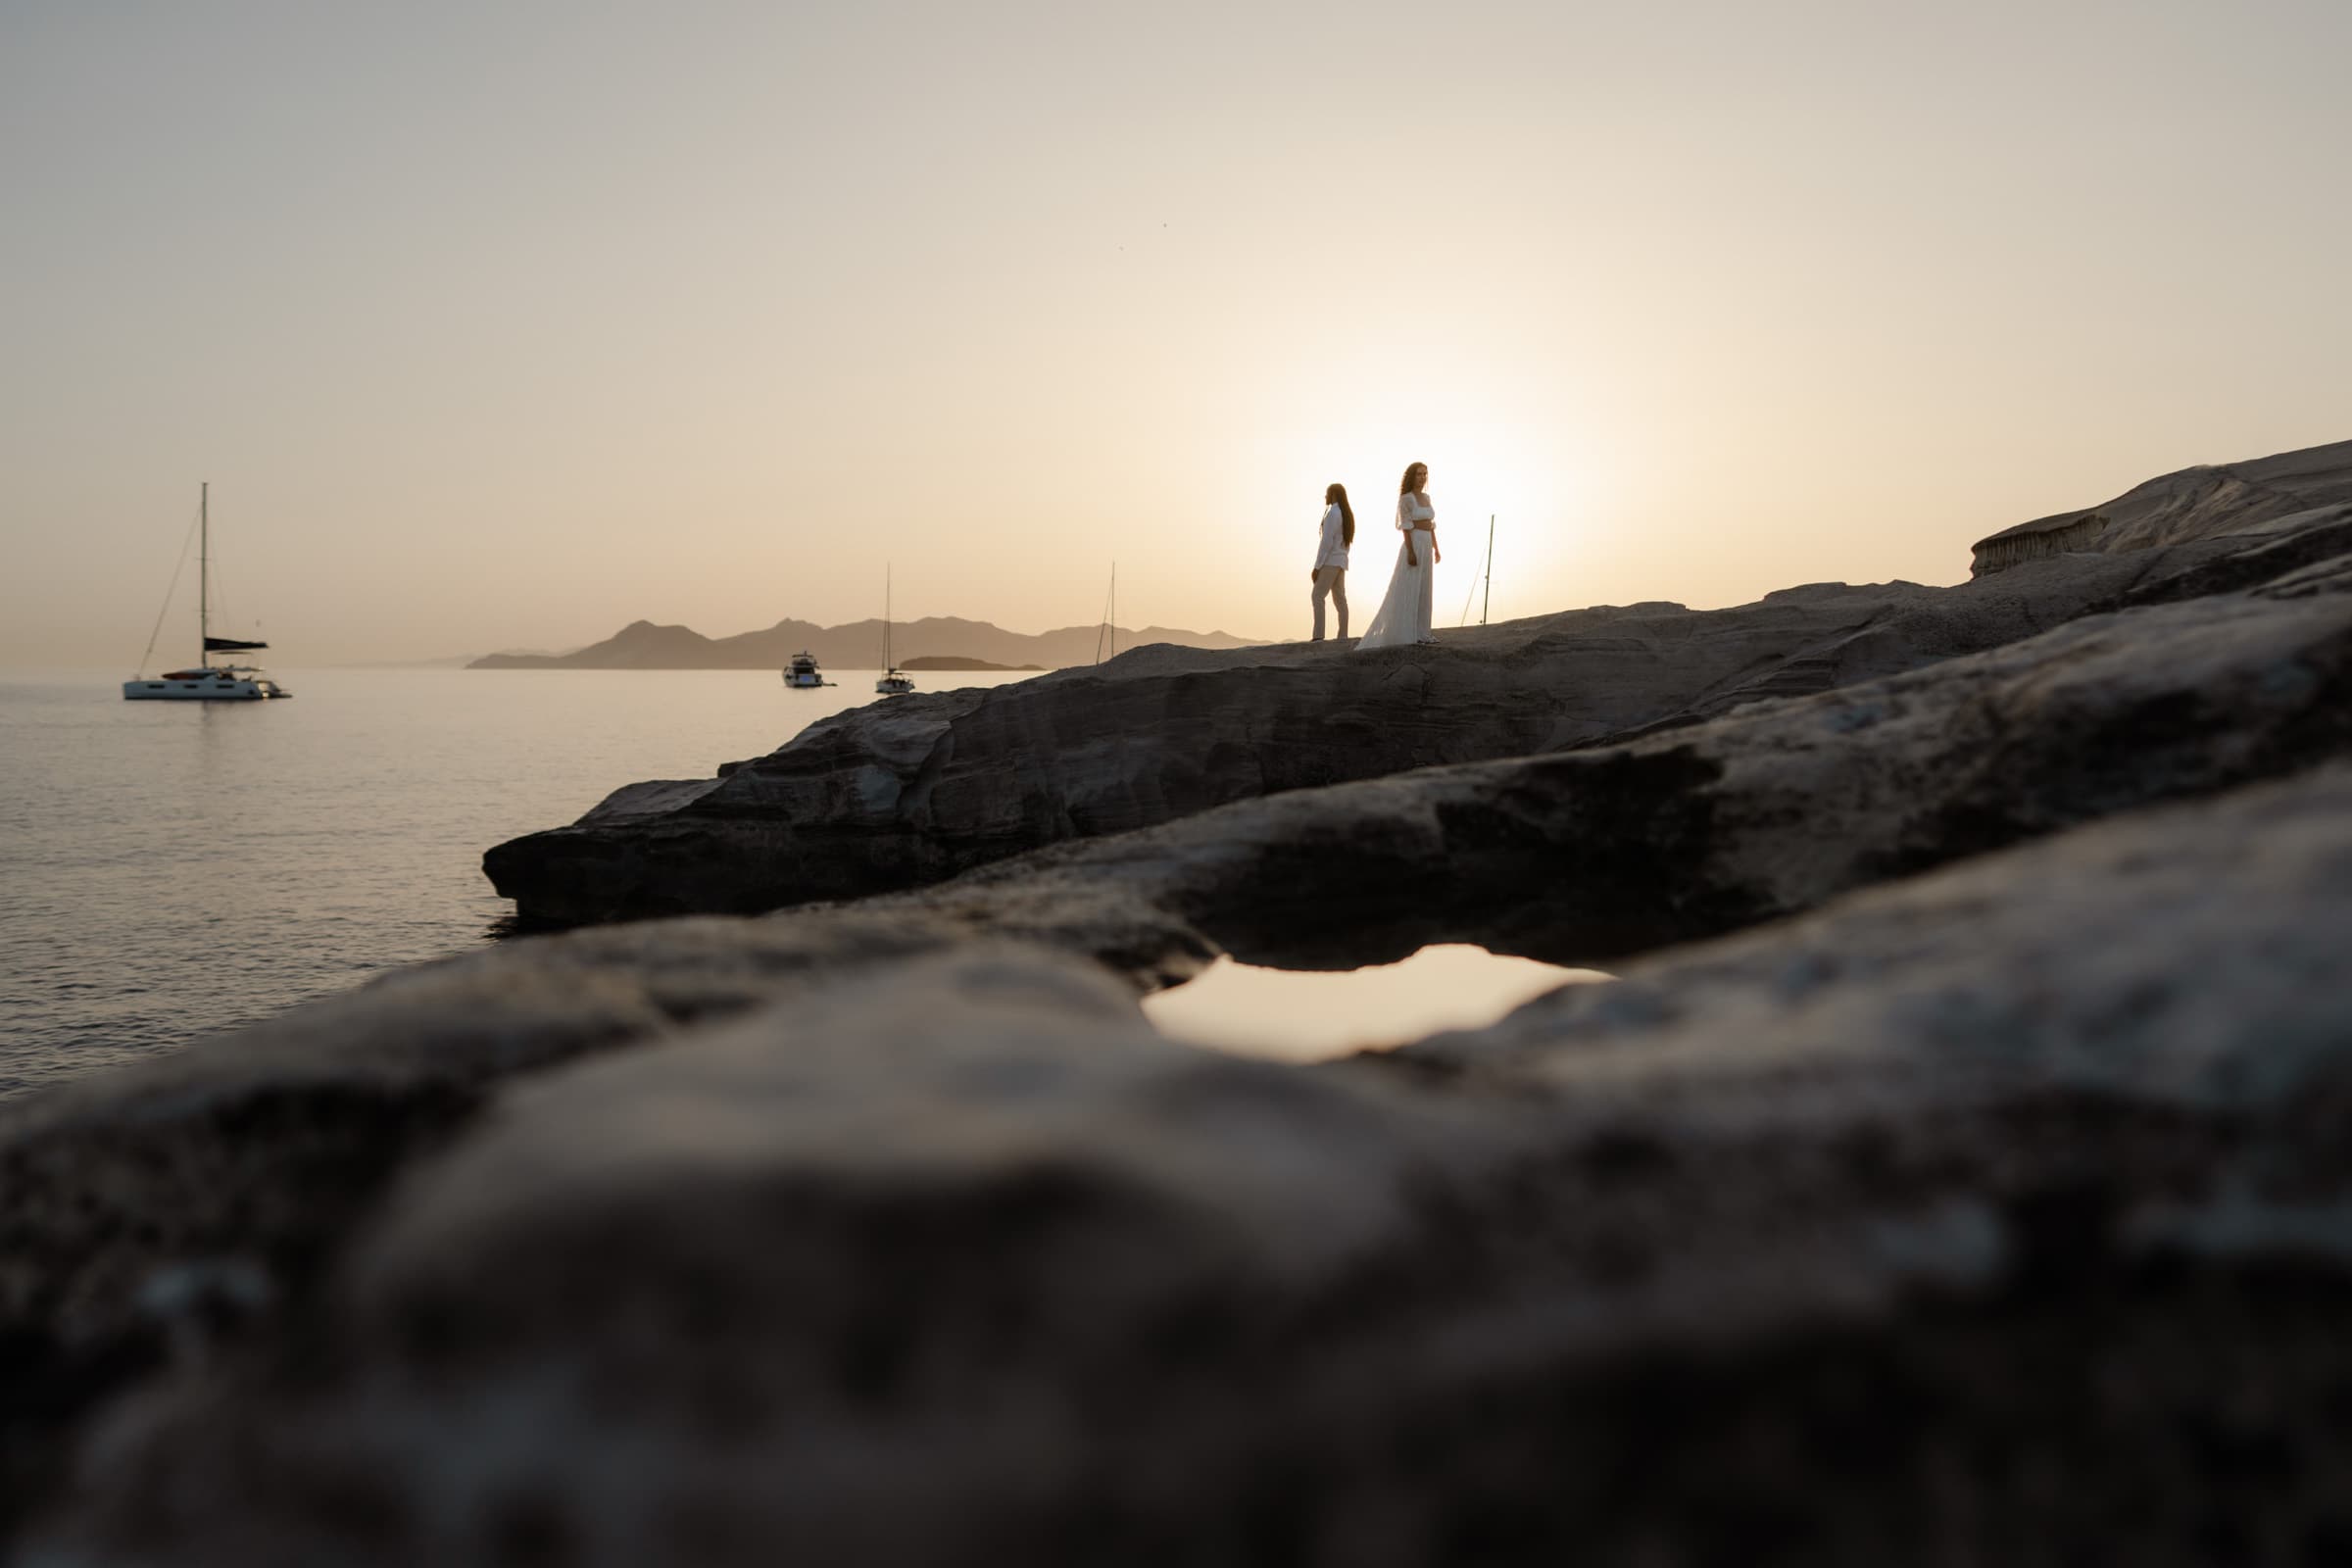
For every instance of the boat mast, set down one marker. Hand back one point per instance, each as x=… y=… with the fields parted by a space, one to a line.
x=1489 y=595
x=887 y=663
x=1106 y=635
x=203 y=576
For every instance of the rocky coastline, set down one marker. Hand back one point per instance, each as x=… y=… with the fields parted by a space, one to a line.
x=1957 y=1170
x=885 y=798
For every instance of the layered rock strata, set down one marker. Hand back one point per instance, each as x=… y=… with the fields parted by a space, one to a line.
x=909 y=792
x=2206 y=502
x=2038 y=540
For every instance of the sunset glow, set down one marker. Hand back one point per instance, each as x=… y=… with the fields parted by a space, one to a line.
x=504 y=329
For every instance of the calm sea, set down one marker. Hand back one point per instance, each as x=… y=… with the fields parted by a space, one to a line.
x=168 y=870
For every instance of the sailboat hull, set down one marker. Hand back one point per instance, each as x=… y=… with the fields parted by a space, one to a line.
x=204 y=688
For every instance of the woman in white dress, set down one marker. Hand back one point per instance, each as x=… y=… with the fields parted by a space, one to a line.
x=1405 y=613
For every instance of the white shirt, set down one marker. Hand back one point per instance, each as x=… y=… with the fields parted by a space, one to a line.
x=1333 y=551
x=1411 y=510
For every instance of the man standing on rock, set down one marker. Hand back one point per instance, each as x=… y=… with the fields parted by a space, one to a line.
x=1329 y=573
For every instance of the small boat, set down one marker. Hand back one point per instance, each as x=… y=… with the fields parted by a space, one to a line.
x=803 y=673
x=235 y=683
x=206 y=681
x=895 y=682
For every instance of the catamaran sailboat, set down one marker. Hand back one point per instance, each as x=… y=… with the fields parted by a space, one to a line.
x=895 y=682
x=802 y=674
x=206 y=681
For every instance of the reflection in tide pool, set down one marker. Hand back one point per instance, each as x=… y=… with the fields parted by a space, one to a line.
x=1307 y=1015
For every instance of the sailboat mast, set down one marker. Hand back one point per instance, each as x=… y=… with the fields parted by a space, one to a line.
x=1107 y=634
x=1489 y=595
x=887 y=663
x=204 y=574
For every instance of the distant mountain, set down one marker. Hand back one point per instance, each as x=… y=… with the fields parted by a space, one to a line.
x=642 y=645
x=956 y=662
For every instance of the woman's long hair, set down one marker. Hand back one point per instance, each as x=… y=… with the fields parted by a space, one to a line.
x=1337 y=496
x=1408 y=487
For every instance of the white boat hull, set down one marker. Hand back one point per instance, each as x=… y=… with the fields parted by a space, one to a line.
x=206 y=689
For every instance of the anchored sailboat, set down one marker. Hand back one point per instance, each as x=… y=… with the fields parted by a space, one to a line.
x=895 y=682
x=206 y=681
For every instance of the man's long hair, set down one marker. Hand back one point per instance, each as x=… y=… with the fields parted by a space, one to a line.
x=1408 y=487
x=1337 y=496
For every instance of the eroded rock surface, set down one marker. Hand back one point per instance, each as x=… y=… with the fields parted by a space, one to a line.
x=2205 y=502
x=912 y=791
x=199 y=1192
x=1586 y=855
x=2001 y=1216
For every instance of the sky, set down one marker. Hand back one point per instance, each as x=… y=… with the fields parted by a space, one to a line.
x=502 y=326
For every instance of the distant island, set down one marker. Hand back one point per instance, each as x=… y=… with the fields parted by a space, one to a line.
x=936 y=642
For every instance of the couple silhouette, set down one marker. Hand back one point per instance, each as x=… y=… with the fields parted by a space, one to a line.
x=1404 y=611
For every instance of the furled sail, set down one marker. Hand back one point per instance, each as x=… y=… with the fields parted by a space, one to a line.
x=229 y=645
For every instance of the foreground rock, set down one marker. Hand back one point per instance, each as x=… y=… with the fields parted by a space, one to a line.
x=912 y=791
x=2002 y=1215
x=1584 y=856
x=203 y=1192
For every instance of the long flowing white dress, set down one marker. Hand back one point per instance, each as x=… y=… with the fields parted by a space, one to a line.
x=1403 y=615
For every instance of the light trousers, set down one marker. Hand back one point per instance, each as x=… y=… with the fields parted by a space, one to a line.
x=1332 y=581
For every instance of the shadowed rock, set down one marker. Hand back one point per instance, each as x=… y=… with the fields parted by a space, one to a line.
x=2009 y=1205
x=915 y=790
x=2262 y=554
x=1587 y=856
x=194 y=1195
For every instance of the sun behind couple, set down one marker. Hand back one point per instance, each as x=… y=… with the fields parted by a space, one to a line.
x=1403 y=614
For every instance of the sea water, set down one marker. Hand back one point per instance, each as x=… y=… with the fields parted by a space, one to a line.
x=171 y=869
x=168 y=870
